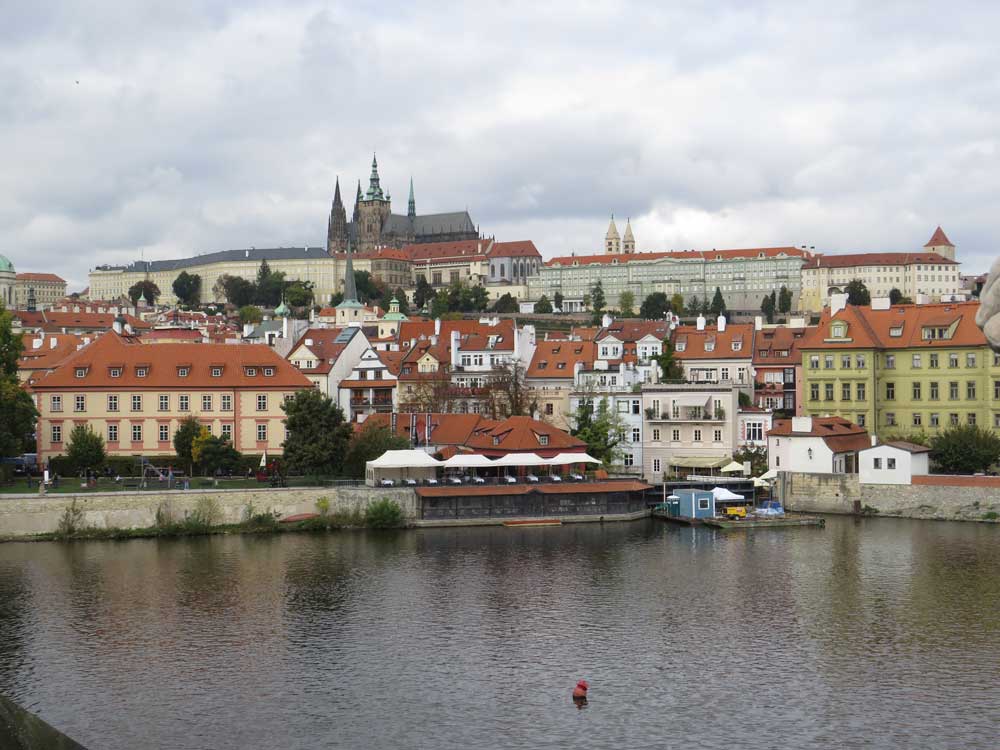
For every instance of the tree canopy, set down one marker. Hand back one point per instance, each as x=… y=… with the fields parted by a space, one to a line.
x=188 y=429
x=543 y=306
x=965 y=449
x=857 y=293
x=655 y=306
x=718 y=306
x=17 y=409
x=601 y=429
x=317 y=434
x=250 y=314
x=557 y=302
x=506 y=304
x=423 y=294
x=784 y=300
x=145 y=289
x=211 y=453
x=85 y=449
x=597 y=301
x=299 y=293
x=237 y=290
x=269 y=287
x=626 y=304
x=767 y=307
x=367 y=445
x=670 y=368
x=187 y=288
x=677 y=303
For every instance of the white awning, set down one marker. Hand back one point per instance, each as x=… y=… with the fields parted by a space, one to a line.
x=698 y=462
x=731 y=467
x=758 y=482
x=721 y=493
x=521 y=459
x=405 y=459
x=468 y=461
x=690 y=399
x=564 y=459
x=770 y=474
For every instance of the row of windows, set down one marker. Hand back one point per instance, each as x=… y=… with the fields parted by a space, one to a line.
x=954 y=390
x=859 y=361
x=675 y=435
x=860 y=391
x=163 y=402
x=934 y=419
x=163 y=432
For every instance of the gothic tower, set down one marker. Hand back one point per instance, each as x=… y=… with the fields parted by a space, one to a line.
x=612 y=241
x=373 y=211
x=336 y=231
x=628 y=241
x=411 y=206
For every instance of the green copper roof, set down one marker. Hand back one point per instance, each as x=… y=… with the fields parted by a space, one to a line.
x=282 y=310
x=6 y=265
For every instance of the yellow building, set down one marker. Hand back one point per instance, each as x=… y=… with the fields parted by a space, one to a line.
x=38 y=291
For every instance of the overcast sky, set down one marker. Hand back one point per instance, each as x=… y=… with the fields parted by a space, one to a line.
x=134 y=125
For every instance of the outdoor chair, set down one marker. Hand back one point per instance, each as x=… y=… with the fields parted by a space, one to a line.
x=531 y=478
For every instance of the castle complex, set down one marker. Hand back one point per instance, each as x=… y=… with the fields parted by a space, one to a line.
x=373 y=224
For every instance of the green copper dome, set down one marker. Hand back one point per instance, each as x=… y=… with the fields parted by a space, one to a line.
x=282 y=310
x=6 y=265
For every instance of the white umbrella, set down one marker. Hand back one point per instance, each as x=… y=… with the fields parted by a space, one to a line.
x=731 y=467
x=770 y=474
x=521 y=459
x=564 y=459
x=263 y=460
x=468 y=461
x=759 y=482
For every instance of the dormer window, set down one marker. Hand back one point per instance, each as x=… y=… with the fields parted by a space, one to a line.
x=737 y=344
x=560 y=365
x=896 y=331
x=81 y=372
x=681 y=346
x=496 y=440
x=116 y=372
x=141 y=372
x=838 y=330
x=182 y=372
x=217 y=371
x=543 y=364
x=268 y=372
x=709 y=346
x=543 y=439
x=251 y=372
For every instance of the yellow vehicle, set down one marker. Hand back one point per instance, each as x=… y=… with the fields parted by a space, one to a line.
x=736 y=511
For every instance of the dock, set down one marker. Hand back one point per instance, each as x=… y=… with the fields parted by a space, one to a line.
x=764 y=523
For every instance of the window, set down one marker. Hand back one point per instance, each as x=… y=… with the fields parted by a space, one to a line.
x=970 y=418
x=268 y=372
x=261 y=402
x=227 y=432
x=137 y=433
x=859 y=361
x=549 y=409
x=860 y=421
x=164 y=433
x=116 y=372
x=814 y=391
x=656 y=466
x=216 y=372
x=970 y=390
x=675 y=435
x=934 y=391
x=656 y=435
x=890 y=361
x=112 y=402
x=140 y=372
x=635 y=406
x=845 y=361
x=828 y=392
x=56 y=433
x=164 y=402
x=845 y=391
x=226 y=400
x=917 y=420
x=112 y=433
x=777 y=461
x=543 y=439
x=953 y=390
x=890 y=419
x=996 y=390
x=916 y=391
x=136 y=402
x=702 y=503
x=182 y=372
x=813 y=361
x=953 y=419
x=80 y=403
x=184 y=402
x=953 y=360
x=877 y=463
x=206 y=402
x=970 y=359
x=55 y=403
x=628 y=459
x=261 y=433
x=636 y=435
x=935 y=419
x=697 y=436
x=890 y=391
x=934 y=361
x=828 y=362
x=81 y=372
x=890 y=463
x=916 y=361
x=717 y=436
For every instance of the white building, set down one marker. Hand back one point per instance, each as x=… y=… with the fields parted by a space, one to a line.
x=895 y=462
x=328 y=355
x=816 y=445
x=753 y=424
x=618 y=387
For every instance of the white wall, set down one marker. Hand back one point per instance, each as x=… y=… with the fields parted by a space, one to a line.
x=907 y=465
x=792 y=454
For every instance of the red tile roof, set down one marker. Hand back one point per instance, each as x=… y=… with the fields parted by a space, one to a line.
x=713 y=344
x=52 y=320
x=446 y=251
x=516 y=249
x=32 y=276
x=445 y=429
x=708 y=255
x=770 y=341
x=849 y=260
x=163 y=361
x=522 y=435
x=322 y=345
x=939 y=238
x=838 y=433
x=549 y=355
x=632 y=330
x=873 y=329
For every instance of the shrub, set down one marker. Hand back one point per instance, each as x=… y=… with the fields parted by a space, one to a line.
x=384 y=514
x=965 y=449
x=991 y=516
x=205 y=515
x=323 y=506
x=71 y=522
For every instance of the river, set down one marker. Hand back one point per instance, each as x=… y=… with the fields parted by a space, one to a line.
x=868 y=633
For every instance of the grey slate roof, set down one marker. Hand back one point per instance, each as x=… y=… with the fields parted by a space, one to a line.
x=253 y=254
x=430 y=224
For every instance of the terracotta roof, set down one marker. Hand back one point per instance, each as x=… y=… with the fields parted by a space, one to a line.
x=32 y=276
x=707 y=255
x=584 y=333
x=839 y=434
x=632 y=330
x=769 y=342
x=544 y=488
x=52 y=320
x=522 y=434
x=849 y=260
x=324 y=346
x=874 y=329
x=47 y=356
x=939 y=238
x=713 y=344
x=190 y=334
x=517 y=249
x=549 y=355
x=440 y=251
x=163 y=361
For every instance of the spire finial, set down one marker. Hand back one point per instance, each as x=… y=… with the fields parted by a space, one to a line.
x=411 y=209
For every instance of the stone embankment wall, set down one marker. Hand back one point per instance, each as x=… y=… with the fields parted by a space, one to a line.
x=938 y=497
x=25 y=515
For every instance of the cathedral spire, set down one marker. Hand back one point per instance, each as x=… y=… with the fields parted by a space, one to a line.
x=374 y=189
x=411 y=210
x=357 y=206
x=337 y=202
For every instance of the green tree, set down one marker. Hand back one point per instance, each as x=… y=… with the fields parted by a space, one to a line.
x=756 y=455
x=586 y=302
x=299 y=293
x=11 y=344
x=767 y=307
x=857 y=293
x=17 y=408
x=336 y=298
x=184 y=438
x=784 y=300
x=896 y=297
x=507 y=393
x=473 y=299
x=404 y=306
x=317 y=434
x=423 y=293
x=626 y=304
x=439 y=304
x=718 y=306
x=677 y=303
x=654 y=307
x=694 y=306
x=250 y=314
x=270 y=285
x=369 y=288
x=597 y=300
x=369 y=444
x=237 y=290
x=965 y=449
x=543 y=306
x=670 y=368
x=557 y=302
x=85 y=449
x=506 y=304
x=602 y=430
x=187 y=288
x=145 y=289
x=211 y=453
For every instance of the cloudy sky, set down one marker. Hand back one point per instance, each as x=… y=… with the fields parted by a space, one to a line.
x=173 y=128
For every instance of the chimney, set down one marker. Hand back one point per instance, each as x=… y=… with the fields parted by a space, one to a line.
x=455 y=337
x=758 y=323
x=606 y=320
x=284 y=327
x=699 y=324
x=52 y=343
x=720 y=323
x=802 y=424
x=881 y=303
x=247 y=329
x=874 y=440
x=437 y=326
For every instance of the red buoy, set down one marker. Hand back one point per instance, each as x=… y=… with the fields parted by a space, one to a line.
x=580 y=691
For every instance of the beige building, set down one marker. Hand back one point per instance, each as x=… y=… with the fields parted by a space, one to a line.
x=38 y=291
x=135 y=395
x=933 y=273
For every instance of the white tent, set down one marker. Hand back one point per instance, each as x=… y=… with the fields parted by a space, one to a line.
x=721 y=493
x=397 y=465
x=760 y=482
x=468 y=461
x=565 y=459
x=521 y=459
x=770 y=474
x=731 y=467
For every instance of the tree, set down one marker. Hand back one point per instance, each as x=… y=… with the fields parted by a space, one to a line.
x=507 y=393
x=654 y=307
x=896 y=297
x=784 y=300
x=626 y=304
x=11 y=344
x=473 y=299
x=543 y=306
x=439 y=304
x=184 y=438
x=250 y=314
x=965 y=449
x=336 y=298
x=299 y=293
x=557 y=302
x=187 y=288
x=586 y=302
x=17 y=409
x=718 y=306
x=602 y=430
x=317 y=434
x=767 y=307
x=270 y=286
x=694 y=306
x=756 y=455
x=677 y=303
x=423 y=293
x=857 y=293
x=404 y=306
x=597 y=300
x=369 y=288
x=367 y=445
x=145 y=289
x=211 y=453
x=85 y=449
x=506 y=304
x=670 y=368
x=237 y=290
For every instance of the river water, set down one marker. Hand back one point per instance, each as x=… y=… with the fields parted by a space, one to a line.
x=868 y=633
